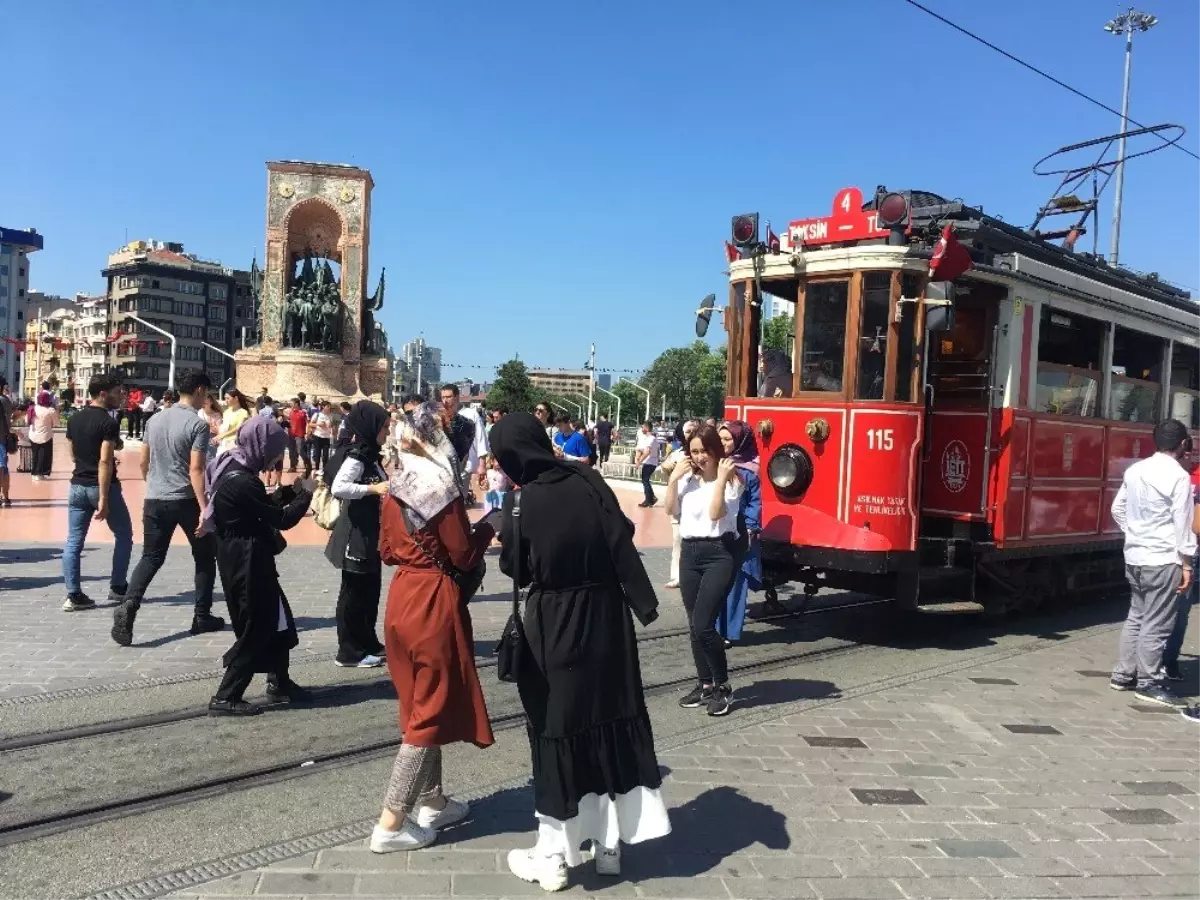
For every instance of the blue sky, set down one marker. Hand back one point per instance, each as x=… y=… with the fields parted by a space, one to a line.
x=550 y=174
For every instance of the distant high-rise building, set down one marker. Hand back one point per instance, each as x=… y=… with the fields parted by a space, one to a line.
x=198 y=301
x=422 y=367
x=605 y=381
x=15 y=246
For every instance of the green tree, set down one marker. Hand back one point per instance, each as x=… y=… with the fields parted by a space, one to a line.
x=778 y=333
x=708 y=398
x=512 y=389
x=688 y=377
x=633 y=403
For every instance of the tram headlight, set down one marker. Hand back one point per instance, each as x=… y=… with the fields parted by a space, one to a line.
x=790 y=470
x=893 y=211
x=744 y=230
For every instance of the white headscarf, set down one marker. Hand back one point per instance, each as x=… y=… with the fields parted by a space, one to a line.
x=426 y=479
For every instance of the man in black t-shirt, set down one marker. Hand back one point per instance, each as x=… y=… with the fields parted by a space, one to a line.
x=95 y=491
x=604 y=433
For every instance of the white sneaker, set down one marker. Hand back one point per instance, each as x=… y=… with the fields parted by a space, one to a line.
x=451 y=814
x=608 y=862
x=548 y=871
x=411 y=836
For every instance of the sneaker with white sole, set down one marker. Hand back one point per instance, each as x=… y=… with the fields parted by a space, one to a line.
x=608 y=862
x=451 y=814
x=411 y=836
x=548 y=871
x=367 y=662
x=78 y=602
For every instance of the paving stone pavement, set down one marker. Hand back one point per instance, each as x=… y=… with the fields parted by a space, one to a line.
x=43 y=649
x=929 y=790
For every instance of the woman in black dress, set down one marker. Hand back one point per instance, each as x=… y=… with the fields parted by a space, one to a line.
x=595 y=773
x=248 y=524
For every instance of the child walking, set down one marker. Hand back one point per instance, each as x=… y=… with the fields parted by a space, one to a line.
x=498 y=486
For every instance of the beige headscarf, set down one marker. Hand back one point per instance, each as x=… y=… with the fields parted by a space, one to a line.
x=426 y=479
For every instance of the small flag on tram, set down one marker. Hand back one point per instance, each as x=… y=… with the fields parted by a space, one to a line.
x=731 y=253
x=950 y=258
x=772 y=240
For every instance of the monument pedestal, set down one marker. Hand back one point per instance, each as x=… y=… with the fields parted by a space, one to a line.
x=286 y=372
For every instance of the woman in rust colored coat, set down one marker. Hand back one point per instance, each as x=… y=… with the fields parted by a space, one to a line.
x=424 y=532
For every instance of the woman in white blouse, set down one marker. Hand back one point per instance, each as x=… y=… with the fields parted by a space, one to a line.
x=703 y=494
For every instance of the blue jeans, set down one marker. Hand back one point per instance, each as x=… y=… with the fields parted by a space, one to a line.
x=1175 y=642
x=82 y=503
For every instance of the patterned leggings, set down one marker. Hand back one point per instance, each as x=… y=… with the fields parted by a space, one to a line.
x=416 y=778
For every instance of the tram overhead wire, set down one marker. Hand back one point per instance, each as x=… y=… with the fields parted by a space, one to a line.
x=1037 y=71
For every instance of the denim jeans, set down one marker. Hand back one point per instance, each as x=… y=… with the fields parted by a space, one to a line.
x=82 y=503
x=1175 y=641
x=647 y=473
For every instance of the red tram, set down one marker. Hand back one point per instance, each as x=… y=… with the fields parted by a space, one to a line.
x=949 y=440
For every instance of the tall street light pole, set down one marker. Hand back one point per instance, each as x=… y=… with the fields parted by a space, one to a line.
x=1124 y=25
x=617 y=423
x=170 y=337
x=645 y=391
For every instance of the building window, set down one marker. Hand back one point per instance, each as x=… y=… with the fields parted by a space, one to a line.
x=216 y=335
x=824 y=335
x=21 y=273
x=216 y=291
x=21 y=292
x=1185 y=385
x=3 y=270
x=216 y=314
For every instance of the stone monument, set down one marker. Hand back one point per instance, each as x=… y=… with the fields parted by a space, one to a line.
x=316 y=326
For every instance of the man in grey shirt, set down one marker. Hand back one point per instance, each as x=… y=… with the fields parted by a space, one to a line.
x=174 y=452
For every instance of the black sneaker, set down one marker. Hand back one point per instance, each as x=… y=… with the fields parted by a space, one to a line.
x=122 y=630
x=1120 y=684
x=720 y=700
x=1191 y=713
x=77 y=602
x=116 y=595
x=205 y=623
x=232 y=708
x=1156 y=693
x=696 y=697
x=1173 y=673
x=288 y=692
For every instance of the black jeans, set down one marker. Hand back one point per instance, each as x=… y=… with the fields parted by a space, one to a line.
x=602 y=451
x=647 y=471
x=320 y=452
x=240 y=673
x=357 y=613
x=706 y=570
x=43 y=459
x=133 y=423
x=160 y=518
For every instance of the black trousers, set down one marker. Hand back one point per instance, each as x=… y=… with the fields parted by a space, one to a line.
x=298 y=453
x=320 y=452
x=357 y=614
x=602 y=451
x=133 y=422
x=160 y=519
x=647 y=471
x=706 y=570
x=43 y=458
x=240 y=673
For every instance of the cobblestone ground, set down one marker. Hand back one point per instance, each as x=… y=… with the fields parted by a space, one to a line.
x=44 y=649
x=1019 y=778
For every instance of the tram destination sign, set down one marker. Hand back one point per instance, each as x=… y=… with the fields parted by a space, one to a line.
x=848 y=222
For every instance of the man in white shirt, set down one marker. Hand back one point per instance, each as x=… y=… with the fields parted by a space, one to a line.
x=646 y=454
x=1154 y=511
x=468 y=437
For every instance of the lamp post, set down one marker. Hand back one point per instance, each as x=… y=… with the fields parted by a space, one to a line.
x=617 y=423
x=1124 y=25
x=572 y=402
x=645 y=391
x=170 y=337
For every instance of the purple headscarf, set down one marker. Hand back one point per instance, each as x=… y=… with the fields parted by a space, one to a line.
x=745 y=448
x=259 y=441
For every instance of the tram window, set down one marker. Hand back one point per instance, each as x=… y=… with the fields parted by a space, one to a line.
x=824 y=335
x=1068 y=375
x=906 y=347
x=1185 y=385
x=960 y=359
x=873 y=335
x=1136 y=376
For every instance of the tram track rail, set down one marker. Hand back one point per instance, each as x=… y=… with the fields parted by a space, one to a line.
x=38 y=827
x=35 y=740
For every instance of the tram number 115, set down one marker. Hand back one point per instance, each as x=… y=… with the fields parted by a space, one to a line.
x=880 y=439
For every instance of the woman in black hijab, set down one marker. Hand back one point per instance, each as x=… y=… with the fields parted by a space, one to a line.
x=777 y=374
x=595 y=772
x=356 y=477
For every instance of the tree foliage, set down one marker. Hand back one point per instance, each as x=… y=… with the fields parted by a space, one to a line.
x=778 y=333
x=512 y=390
x=692 y=378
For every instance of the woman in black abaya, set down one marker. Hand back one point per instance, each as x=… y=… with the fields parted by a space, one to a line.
x=595 y=772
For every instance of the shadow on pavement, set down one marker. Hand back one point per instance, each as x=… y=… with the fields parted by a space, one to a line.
x=161 y=641
x=773 y=693
x=30 y=555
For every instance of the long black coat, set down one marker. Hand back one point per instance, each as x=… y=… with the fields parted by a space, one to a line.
x=248 y=522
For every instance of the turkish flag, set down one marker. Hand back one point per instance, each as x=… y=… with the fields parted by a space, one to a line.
x=114 y=337
x=772 y=239
x=950 y=258
x=731 y=253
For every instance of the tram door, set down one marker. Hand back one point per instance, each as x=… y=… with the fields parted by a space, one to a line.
x=958 y=388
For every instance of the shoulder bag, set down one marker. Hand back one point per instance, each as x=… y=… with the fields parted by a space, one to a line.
x=513 y=650
x=325 y=507
x=468 y=582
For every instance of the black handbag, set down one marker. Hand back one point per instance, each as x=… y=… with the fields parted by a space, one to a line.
x=513 y=650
